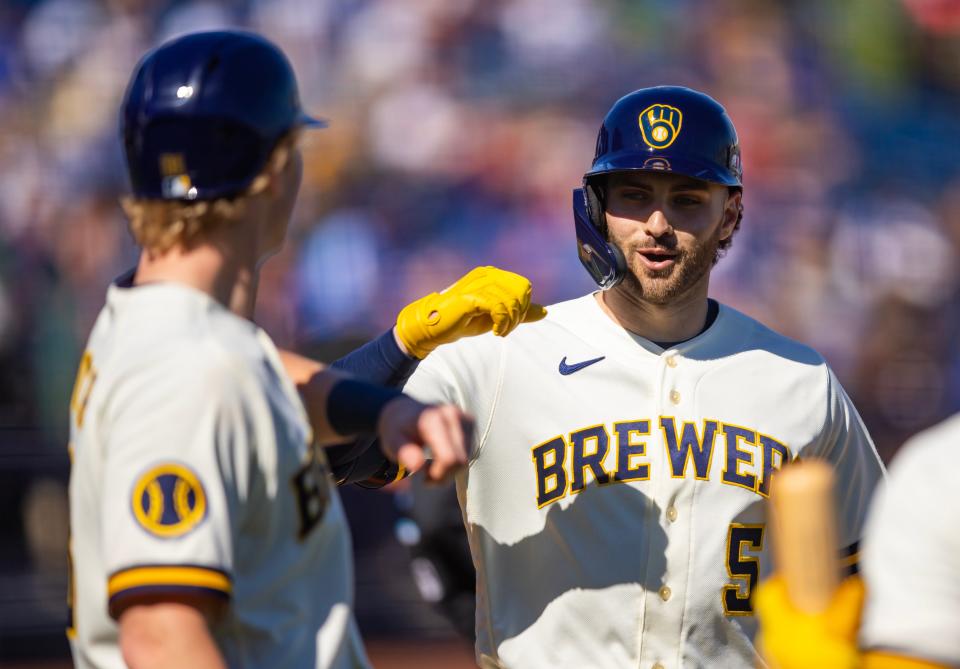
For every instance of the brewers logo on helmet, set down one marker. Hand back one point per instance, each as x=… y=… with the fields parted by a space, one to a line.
x=660 y=125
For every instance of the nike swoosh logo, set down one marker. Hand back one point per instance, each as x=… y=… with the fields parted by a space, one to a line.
x=566 y=369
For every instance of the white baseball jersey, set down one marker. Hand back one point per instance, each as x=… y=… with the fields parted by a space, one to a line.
x=615 y=501
x=193 y=472
x=911 y=553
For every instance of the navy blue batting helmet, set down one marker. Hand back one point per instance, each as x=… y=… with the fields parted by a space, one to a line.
x=203 y=113
x=659 y=129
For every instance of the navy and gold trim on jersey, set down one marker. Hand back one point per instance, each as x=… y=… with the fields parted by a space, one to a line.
x=850 y=559
x=71 y=592
x=166 y=580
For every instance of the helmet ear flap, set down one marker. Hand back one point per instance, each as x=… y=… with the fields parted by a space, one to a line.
x=594 y=197
x=602 y=260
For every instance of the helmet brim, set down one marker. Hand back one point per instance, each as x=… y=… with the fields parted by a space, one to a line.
x=627 y=162
x=304 y=120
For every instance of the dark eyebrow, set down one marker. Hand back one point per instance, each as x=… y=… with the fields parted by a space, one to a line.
x=690 y=185
x=633 y=184
x=677 y=187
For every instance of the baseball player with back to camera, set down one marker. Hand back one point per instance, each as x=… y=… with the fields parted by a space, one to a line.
x=903 y=611
x=626 y=442
x=205 y=528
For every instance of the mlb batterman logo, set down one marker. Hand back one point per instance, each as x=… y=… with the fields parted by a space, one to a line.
x=660 y=125
x=168 y=500
x=176 y=182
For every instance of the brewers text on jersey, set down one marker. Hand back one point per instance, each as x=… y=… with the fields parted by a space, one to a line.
x=617 y=453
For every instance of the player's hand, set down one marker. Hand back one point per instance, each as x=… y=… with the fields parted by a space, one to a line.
x=485 y=299
x=791 y=639
x=411 y=432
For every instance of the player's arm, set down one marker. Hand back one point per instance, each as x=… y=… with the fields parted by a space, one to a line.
x=169 y=635
x=339 y=406
x=845 y=443
x=179 y=455
x=485 y=299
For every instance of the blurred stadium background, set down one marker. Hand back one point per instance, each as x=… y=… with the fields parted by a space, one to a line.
x=458 y=128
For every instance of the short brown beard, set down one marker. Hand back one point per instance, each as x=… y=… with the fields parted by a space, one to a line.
x=690 y=267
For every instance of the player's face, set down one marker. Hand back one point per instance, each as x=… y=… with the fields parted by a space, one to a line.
x=669 y=228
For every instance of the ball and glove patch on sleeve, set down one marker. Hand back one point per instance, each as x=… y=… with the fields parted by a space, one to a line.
x=168 y=500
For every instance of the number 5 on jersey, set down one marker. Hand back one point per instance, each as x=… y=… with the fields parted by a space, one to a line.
x=744 y=568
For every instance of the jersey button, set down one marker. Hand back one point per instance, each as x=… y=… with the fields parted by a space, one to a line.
x=672 y=514
x=671 y=361
x=665 y=593
x=675 y=397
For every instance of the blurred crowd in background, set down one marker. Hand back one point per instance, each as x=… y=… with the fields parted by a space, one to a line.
x=457 y=130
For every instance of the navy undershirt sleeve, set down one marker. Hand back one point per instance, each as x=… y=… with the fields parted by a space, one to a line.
x=378 y=361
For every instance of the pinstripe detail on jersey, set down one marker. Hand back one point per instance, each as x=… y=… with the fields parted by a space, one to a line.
x=173 y=579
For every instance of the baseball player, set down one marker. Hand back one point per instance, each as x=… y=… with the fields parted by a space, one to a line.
x=625 y=443
x=205 y=530
x=909 y=571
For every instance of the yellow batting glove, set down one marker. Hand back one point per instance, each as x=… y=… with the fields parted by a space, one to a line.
x=791 y=639
x=485 y=299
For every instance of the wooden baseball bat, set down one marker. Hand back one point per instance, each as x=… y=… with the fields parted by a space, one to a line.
x=804 y=528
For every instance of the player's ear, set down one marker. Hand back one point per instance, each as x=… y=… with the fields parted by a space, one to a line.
x=275 y=185
x=286 y=181
x=731 y=213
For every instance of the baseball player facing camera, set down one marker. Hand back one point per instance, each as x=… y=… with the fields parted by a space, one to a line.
x=625 y=443
x=206 y=530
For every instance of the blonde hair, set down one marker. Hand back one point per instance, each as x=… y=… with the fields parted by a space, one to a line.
x=159 y=225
